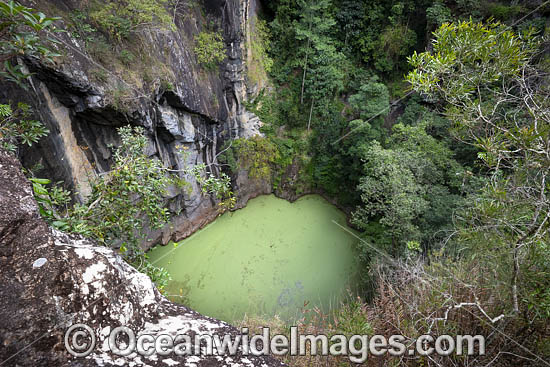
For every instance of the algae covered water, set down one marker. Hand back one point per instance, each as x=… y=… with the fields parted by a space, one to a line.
x=267 y=259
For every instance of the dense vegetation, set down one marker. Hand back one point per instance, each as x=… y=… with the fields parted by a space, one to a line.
x=443 y=171
x=129 y=199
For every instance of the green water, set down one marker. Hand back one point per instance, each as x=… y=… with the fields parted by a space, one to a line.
x=266 y=259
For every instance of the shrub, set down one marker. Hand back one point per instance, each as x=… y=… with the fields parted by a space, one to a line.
x=121 y=18
x=16 y=127
x=124 y=201
x=504 y=12
x=209 y=49
x=260 y=44
x=21 y=30
x=258 y=155
x=126 y=57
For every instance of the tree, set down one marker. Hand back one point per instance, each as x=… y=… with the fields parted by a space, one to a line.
x=411 y=189
x=438 y=13
x=497 y=98
x=391 y=194
x=312 y=28
x=371 y=100
x=320 y=57
x=350 y=17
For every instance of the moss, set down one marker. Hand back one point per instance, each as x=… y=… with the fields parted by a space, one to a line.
x=260 y=63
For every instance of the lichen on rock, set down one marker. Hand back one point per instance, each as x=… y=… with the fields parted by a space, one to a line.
x=79 y=282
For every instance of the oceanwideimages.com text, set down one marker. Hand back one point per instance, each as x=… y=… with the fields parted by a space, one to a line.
x=80 y=341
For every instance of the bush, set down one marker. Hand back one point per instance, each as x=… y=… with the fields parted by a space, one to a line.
x=209 y=49
x=504 y=12
x=126 y=57
x=258 y=155
x=16 y=127
x=121 y=18
x=260 y=44
x=124 y=201
x=22 y=33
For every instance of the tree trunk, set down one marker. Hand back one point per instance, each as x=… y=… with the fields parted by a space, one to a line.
x=310 y=114
x=305 y=67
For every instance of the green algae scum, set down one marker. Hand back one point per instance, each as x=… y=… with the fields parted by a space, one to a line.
x=267 y=259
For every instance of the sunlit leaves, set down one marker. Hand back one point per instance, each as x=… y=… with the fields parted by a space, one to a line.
x=209 y=49
x=121 y=18
x=23 y=32
x=16 y=127
x=467 y=55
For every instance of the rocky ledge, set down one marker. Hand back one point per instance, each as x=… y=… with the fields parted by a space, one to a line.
x=50 y=281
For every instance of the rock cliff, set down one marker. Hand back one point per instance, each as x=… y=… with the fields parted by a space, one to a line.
x=50 y=281
x=88 y=94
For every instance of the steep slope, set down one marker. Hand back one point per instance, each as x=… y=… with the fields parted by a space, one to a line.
x=88 y=94
x=50 y=281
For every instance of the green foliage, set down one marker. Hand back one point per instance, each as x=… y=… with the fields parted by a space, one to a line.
x=258 y=155
x=97 y=45
x=166 y=85
x=220 y=186
x=536 y=296
x=125 y=199
x=351 y=319
x=209 y=49
x=488 y=78
x=393 y=44
x=372 y=99
x=438 y=13
x=486 y=53
x=409 y=189
x=80 y=28
x=21 y=29
x=126 y=57
x=50 y=200
x=317 y=55
x=504 y=12
x=158 y=275
x=16 y=127
x=120 y=18
x=260 y=43
x=390 y=191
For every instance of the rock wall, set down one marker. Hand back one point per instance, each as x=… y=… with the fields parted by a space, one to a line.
x=50 y=281
x=82 y=102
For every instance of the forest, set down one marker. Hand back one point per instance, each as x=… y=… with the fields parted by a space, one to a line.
x=426 y=121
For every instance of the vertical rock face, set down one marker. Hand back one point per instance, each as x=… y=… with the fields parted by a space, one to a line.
x=82 y=103
x=50 y=281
